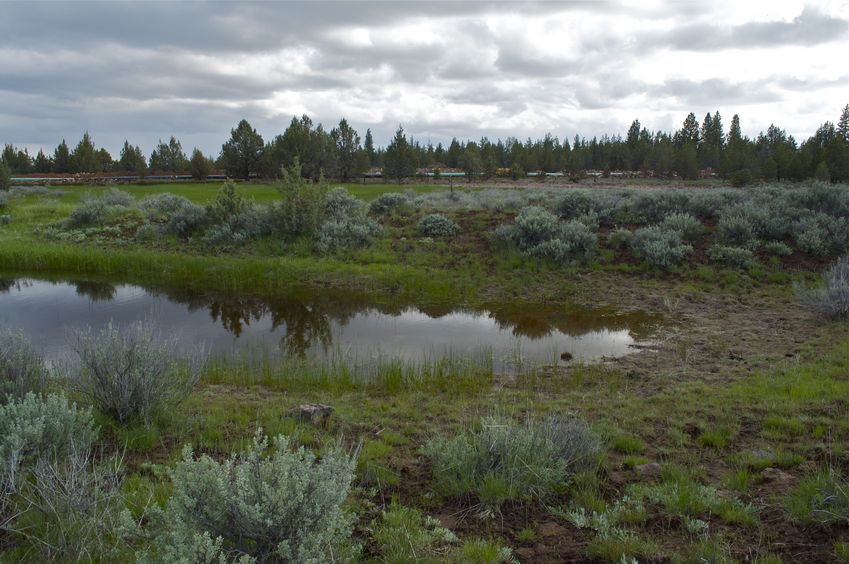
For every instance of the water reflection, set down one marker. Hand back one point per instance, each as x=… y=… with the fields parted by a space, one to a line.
x=307 y=319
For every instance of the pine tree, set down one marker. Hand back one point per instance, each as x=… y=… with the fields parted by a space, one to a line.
x=843 y=123
x=348 y=151
x=399 y=160
x=368 y=146
x=199 y=165
x=84 y=157
x=241 y=154
x=131 y=159
x=62 y=158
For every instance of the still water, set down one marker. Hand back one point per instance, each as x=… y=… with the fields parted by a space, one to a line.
x=314 y=320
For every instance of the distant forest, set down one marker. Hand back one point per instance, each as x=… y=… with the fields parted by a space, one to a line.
x=693 y=151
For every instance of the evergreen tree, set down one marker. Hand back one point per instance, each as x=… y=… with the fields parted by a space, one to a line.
x=131 y=159
x=241 y=154
x=687 y=162
x=352 y=159
x=168 y=157
x=199 y=165
x=84 y=157
x=104 y=159
x=368 y=146
x=399 y=160
x=843 y=123
x=42 y=162
x=62 y=158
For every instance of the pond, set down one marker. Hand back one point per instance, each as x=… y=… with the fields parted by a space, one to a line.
x=312 y=321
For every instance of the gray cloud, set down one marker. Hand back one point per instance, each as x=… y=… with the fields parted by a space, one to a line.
x=142 y=71
x=811 y=27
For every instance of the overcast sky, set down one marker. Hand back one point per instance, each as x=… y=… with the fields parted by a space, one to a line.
x=147 y=70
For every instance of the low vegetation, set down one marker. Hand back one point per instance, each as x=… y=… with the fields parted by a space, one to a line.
x=704 y=448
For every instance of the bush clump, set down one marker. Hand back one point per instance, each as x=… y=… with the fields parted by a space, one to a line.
x=287 y=507
x=32 y=428
x=537 y=233
x=187 y=220
x=387 y=203
x=135 y=372
x=301 y=209
x=162 y=207
x=620 y=239
x=504 y=462
x=688 y=226
x=777 y=249
x=831 y=300
x=736 y=229
x=659 y=248
x=4 y=200
x=346 y=233
x=22 y=369
x=437 y=225
x=734 y=257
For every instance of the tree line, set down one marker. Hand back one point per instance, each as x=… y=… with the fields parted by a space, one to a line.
x=342 y=154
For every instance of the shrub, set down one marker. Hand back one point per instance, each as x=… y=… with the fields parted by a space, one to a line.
x=5 y=219
x=831 y=300
x=735 y=257
x=504 y=462
x=223 y=236
x=21 y=369
x=339 y=205
x=287 y=507
x=386 y=203
x=134 y=372
x=187 y=220
x=535 y=225
x=437 y=225
x=652 y=207
x=115 y=197
x=688 y=226
x=162 y=207
x=574 y=203
x=659 y=248
x=33 y=428
x=736 y=229
x=574 y=242
x=777 y=248
x=89 y=213
x=71 y=509
x=4 y=200
x=346 y=234
x=821 y=234
x=301 y=210
x=619 y=239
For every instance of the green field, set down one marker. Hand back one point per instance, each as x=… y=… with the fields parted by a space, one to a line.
x=725 y=441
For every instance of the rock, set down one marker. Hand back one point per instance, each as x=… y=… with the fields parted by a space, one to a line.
x=315 y=413
x=648 y=472
x=551 y=529
x=567 y=356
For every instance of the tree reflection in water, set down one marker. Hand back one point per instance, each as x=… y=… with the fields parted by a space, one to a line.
x=95 y=291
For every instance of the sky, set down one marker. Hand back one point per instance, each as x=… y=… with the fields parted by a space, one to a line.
x=144 y=71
